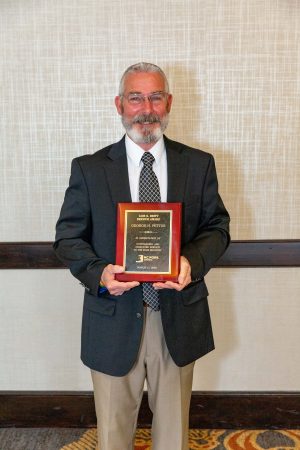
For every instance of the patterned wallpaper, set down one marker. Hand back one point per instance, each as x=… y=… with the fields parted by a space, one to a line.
x=234 y=71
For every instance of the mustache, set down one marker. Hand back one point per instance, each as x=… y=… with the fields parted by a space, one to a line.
x=150 y=118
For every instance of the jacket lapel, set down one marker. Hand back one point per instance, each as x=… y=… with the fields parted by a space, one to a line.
x=177 y=171
x=117 y=173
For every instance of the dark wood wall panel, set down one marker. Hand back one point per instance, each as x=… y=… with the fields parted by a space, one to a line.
x=269 y=253
x=223 y=410
x=28 y=255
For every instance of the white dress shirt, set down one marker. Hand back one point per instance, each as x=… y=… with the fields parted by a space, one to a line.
x=134 y=154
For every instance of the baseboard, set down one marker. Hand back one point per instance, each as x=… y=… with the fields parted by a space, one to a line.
x=223 y=410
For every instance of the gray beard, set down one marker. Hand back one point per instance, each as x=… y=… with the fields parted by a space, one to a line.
x=146 y=136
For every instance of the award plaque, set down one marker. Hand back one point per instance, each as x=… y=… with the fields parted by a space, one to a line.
x=148 y=241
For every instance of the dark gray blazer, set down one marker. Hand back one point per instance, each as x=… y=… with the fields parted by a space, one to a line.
x=85 y=242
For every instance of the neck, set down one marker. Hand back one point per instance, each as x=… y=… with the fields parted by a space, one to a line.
x=146 y=147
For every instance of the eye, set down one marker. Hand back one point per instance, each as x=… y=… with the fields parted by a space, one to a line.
x=135 y=99
x=157 y=98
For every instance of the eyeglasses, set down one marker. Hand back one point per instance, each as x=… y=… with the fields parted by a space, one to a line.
x=137 y=99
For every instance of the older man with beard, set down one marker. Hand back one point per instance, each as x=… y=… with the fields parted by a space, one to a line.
x=131 y=331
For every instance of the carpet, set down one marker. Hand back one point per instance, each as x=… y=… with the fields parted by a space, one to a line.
x=210 y=440
x=38 y=438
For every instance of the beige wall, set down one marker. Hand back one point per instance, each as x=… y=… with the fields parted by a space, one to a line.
x=234 y=70
x=255 y=316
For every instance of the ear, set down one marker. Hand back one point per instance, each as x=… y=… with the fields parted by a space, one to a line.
x=119 y=104
x=169 y=102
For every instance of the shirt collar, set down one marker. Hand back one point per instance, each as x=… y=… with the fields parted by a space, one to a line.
x=135 y=152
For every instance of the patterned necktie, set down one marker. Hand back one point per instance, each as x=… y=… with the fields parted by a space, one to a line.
x=149 y=192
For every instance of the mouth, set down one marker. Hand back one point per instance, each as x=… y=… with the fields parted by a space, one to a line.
x=146 y=120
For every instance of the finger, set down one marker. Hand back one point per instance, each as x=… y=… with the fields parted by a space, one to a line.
x=118 y=288
x=159 y=285
x=167 y=285
x=130 y=284
x=176 y=286
x=172 y=285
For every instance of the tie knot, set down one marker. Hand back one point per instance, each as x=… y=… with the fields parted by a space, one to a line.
x=147 y=159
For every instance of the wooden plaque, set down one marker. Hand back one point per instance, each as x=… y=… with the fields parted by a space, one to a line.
x=148 y=241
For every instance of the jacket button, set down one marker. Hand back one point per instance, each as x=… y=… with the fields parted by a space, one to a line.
x=138 y=315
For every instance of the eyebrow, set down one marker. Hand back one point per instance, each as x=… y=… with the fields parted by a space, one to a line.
x=150 y=93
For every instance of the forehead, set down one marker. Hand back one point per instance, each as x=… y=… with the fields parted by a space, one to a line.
x=144 y=82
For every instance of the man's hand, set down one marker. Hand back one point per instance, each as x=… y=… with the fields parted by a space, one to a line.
x=114 y=286
x=184 y=277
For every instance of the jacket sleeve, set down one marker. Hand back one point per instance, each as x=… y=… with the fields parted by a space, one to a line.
x=212 y=237
x=73 y=233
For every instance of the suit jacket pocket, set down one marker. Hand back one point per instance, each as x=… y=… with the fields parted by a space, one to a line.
x=194 y=293
x=100 y=305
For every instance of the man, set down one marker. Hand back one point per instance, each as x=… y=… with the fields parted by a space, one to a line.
x=126 y=338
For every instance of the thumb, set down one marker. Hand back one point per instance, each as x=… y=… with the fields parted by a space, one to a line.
x=181 y=278
x=117 y=269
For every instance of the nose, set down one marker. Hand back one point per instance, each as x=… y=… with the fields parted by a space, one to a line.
x=147 y=105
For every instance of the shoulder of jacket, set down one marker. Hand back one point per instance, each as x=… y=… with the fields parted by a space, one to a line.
x=111 y=151
x=91 y=157
x=191 y=152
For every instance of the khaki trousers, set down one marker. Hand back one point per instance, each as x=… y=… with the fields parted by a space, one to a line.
x=117 y=399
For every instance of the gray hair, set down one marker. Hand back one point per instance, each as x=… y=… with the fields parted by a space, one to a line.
x=142 y=67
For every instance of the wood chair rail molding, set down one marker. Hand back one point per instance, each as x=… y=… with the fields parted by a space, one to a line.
x=255 y=253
